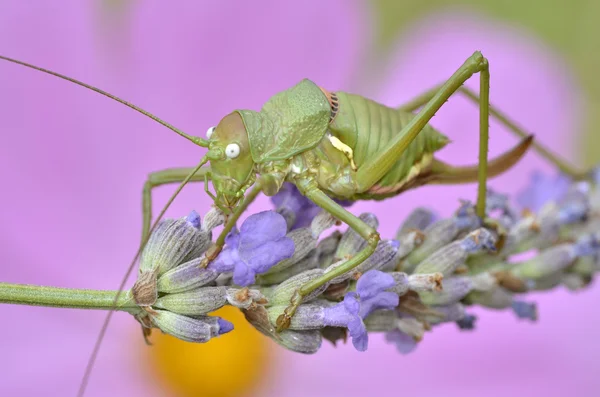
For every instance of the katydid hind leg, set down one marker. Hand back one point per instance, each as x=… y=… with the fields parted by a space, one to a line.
x=506 y=121
x=364 y=230
x=374 y=169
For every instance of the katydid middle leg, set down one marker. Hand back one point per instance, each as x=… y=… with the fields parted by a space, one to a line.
x=371 y=235
x=512 y=126
x=374 y=169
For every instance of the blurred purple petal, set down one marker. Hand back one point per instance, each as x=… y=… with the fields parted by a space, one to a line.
x=543 y=189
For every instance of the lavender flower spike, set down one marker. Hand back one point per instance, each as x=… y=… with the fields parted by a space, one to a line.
x=370 y=295
x=260 y=244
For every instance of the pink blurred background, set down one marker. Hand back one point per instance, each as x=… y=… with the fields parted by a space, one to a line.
x=72 y=166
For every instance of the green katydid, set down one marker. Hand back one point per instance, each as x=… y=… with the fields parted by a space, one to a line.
x=331 y=145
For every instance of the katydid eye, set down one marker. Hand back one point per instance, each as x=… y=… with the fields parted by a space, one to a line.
x=210 y=131
x=232 y=150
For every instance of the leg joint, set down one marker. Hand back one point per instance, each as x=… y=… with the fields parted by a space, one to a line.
x=373 y=239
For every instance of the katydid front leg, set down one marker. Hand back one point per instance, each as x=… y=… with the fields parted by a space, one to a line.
x=312 y=192
x=163 y=177
x=215 y=249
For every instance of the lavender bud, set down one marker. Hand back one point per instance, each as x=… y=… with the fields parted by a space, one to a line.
x=453 y=290
x=409 y=242
x=351 y=241
x=573 y=282
x=418 y=219
x=451 y=313
x=213 y=218
x=282 y=294
x=416 y=282
x=194 y=303
x=496 y=298
x=447 y=259
x=411 y=327
x=307 y=317
x=383 y=257
x=173 y=242
x=306 y=342
x=323 y=221
x=144 y=290
x=549 y=261
x=547 y=282
x=200 y=329
x=304 y=242
x=185 y=277
x=441 y=233
x=382 y=321
x=521 y=233
x=245 y=298
x=327 y=248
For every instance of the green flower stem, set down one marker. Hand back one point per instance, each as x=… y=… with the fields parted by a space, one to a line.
x=33 y=295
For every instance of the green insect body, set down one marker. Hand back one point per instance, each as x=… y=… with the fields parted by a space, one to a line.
x=293 y=137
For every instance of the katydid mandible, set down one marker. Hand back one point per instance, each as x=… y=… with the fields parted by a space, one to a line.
x=331 y=145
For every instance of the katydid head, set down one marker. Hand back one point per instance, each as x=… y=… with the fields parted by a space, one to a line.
x=230 y=159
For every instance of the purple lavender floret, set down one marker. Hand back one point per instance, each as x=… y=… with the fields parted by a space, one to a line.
x=193 y=219
x=370 y=295
x=260 y=244
x=466 y=216
x=543 y=189
x=525 y=310
x=467 y=323
x=224 y=326
x=575 y=205
x=298 y=210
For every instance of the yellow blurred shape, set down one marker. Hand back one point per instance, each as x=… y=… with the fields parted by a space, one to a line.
x=234 y=364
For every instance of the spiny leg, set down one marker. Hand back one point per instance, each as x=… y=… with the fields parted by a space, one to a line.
x=364 y=230
x=513 y=127
x=163 y=177
x=216 y=248
x=374 y=169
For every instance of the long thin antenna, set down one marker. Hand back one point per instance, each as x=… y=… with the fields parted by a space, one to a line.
x=92 y=359
x=197 y=140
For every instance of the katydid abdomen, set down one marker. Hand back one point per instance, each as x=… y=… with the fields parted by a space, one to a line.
x=367 y=127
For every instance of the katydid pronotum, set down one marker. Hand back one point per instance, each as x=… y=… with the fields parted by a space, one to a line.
x=331 y=145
